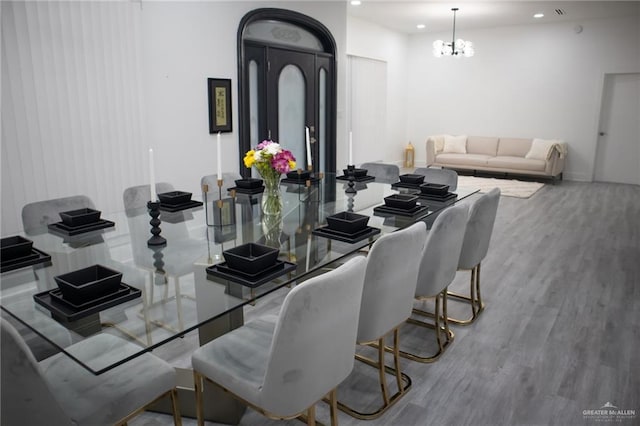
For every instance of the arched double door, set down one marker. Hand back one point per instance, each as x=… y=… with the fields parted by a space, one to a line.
x=286 y=84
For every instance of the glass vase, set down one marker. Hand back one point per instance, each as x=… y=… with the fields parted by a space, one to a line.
x=272 y=205
x=272 y=197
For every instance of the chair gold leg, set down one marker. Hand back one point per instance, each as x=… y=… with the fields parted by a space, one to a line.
x=444 y=335
x=311 y=415
x=177 y=418
x=333 y=404
x=396 y=358
x=479 y=297
x=381 y=372
x=474 y=298
x=197 y=381
x=403 y=381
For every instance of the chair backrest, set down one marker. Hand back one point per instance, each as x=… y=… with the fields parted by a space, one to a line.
x=314 y=340
x=212 y=181
x=386 y=173
x=390 y=281
x=482 y=216
x=26 y=397
x=442 y=251
x=441 y=176
x=137 y=197
x=36 y=216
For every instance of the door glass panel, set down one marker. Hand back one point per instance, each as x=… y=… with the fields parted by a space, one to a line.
x=282 y=33
x=253 y=103
x=291 y=120
x=321 y=129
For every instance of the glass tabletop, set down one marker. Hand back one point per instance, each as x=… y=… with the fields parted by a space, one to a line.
x=170 y=290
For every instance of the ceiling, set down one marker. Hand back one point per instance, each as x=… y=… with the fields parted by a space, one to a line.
x=403 y=16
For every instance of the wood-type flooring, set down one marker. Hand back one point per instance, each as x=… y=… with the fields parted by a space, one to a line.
x=560 y=334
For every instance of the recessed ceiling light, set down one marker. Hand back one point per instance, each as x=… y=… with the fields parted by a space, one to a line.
x=538 y=15
x=356 y=2
x=420 y=26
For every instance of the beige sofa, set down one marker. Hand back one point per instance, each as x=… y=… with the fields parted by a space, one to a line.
x=534 y=157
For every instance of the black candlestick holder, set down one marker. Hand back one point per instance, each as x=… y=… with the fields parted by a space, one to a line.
x=154 y=212
x=351 y=175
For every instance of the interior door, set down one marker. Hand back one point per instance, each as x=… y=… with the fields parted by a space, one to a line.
x=291 y=101
x=618 y=150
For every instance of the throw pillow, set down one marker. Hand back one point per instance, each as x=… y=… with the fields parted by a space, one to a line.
x=540 y=149
x=455 y=144
x=438 y=142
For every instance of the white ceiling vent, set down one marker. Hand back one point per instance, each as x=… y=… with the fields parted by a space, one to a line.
x=560 y=12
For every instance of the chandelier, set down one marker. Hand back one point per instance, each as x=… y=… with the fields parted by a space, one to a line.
x=456 y=48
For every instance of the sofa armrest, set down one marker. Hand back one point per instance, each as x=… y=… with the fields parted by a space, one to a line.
x=555 y=164
x=431 y=151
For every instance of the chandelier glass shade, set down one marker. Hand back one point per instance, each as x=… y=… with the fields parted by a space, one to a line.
x=456 y=48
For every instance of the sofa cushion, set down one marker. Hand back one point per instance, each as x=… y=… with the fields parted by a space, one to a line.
x=540 y=148
x=482 y=145
x=455 y=144
x=463 y=159
x=513 y=147
x=518 y=163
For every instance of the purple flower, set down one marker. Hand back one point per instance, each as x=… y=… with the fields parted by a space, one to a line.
x=280 y=161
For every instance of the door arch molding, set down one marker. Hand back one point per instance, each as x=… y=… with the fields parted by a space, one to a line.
x=322 y=33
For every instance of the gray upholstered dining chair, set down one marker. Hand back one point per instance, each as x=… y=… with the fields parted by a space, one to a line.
x=482 y=216
x=282 y=365
x=211 y=182
x=387 y=299
x=437 y=270
x=441 y=176
x=36 y=216
x=211 y=192
x=386 y=173
x=137 y=197
x=58 y=391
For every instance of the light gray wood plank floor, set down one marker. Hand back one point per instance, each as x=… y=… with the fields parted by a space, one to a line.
x=560 y=333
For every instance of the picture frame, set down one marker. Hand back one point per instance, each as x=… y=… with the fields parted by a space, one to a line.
x=220 y=117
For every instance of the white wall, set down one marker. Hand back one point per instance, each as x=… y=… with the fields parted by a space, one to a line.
x=184 y=43
x=372 y=41
x=70 y=104
x=88 y=87
x=524 y=81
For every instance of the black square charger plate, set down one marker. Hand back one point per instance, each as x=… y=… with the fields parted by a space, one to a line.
x=247 y=191
x=278 y=269
x=66 y=230
x=326 y=232
x=51 y=300
x=34 y=258
x=179 y=207
x=384 y=210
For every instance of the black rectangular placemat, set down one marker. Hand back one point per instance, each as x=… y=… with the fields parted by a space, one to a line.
x=222 y=271
x=357 y=179
x=179 y=207
x=34 y=258
x=62 y=229
x=326 y=232
x=69 y=313
x=385 y=210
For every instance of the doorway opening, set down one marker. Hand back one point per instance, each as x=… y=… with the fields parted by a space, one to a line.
x=617 y=156
x=286 y=83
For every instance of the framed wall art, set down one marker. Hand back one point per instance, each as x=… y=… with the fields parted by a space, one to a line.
x=219 y=105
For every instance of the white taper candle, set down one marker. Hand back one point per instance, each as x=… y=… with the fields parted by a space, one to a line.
x=219 y=168
x=152 y=177
x=308 y=143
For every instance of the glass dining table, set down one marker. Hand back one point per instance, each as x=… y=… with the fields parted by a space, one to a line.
x=176 y=289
